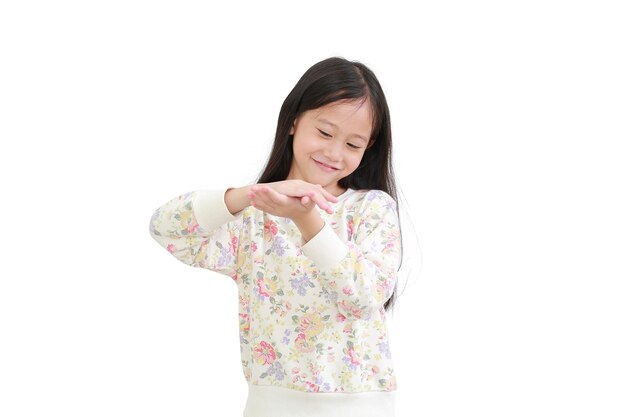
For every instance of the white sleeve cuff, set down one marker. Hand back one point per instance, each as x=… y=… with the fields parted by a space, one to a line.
x=325 y=248
x=210 y=209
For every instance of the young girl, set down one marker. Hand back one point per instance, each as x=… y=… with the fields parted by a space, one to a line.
x=314 y=248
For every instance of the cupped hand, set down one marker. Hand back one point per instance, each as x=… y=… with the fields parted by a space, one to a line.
x=290 y=198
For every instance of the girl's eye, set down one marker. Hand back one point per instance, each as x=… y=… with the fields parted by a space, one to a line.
x=354 y=146
x=324 y=133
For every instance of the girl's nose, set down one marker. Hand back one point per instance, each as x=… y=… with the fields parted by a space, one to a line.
x=333 y=151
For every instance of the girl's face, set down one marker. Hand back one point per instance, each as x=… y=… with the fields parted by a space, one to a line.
x=329 y=143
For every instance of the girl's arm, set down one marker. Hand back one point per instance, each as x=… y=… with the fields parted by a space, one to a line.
x=199 y=230
x=236 y=199
x=294 y=199
x=360 y=274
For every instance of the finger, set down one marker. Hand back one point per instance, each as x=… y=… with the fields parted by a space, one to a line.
x=321 y=202
x=273 y=196
x=328 y=196
x=253 y=198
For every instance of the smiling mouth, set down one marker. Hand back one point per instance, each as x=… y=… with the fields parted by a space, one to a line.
x=324 y=166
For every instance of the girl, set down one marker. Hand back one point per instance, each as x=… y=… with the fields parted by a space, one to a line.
x=314 y=248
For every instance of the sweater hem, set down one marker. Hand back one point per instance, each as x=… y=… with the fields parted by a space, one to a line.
x=274 y=401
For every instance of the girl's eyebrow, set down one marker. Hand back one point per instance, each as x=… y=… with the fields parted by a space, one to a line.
x=337 y=127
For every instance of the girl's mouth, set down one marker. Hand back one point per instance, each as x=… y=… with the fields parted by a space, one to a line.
x=325 y=167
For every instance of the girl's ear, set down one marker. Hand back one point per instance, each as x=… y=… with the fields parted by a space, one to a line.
x=293 y=128
x=292 y=131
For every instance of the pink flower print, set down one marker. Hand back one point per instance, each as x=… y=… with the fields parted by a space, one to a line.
x=243 y=302
x=171 y=248
x=350 y=228
x=348 y=328
x=262 y=287
x=347 y=290
x=372 y=371
x=340 y=317
x=264 y=353
x=296 y=377
x=270 y=229
x=390 y=384
x=312 y=387
x=244 y=323
x=303 y=345
x=311 y=325
x=191 y=227
x=233 y=245
x=388 y=247
x=352 y=359
x=253 y=246
x=355 y=312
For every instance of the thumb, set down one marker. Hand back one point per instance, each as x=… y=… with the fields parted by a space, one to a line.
x=306 y=201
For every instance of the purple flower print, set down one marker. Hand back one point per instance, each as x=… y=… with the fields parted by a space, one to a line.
x=324 y=386
x=278 y=246
x=285 y=338
x=348 y=362
x=276 y=369
x=301 y=283
x=225 y=257
x=373 y=194
x=352 y=358
x=384 y=349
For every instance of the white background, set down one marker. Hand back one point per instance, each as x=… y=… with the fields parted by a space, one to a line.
x=509 y=123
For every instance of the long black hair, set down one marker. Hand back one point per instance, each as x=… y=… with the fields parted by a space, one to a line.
x=328 y=81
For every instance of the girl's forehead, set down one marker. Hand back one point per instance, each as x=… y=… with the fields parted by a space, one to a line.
x=342 y=111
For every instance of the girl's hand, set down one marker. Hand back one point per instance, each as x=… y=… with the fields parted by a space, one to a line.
x=290 y=198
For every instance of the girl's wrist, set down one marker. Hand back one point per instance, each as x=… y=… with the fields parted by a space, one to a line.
x=309 y=224
x=236 y=199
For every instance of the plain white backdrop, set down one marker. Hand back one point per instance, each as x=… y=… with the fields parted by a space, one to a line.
x=509 y=128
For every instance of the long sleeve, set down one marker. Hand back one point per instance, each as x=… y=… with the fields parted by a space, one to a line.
x=198 y=230
x=362 y=272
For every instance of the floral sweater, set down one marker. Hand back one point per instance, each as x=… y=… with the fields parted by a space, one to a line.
x=311 y=315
